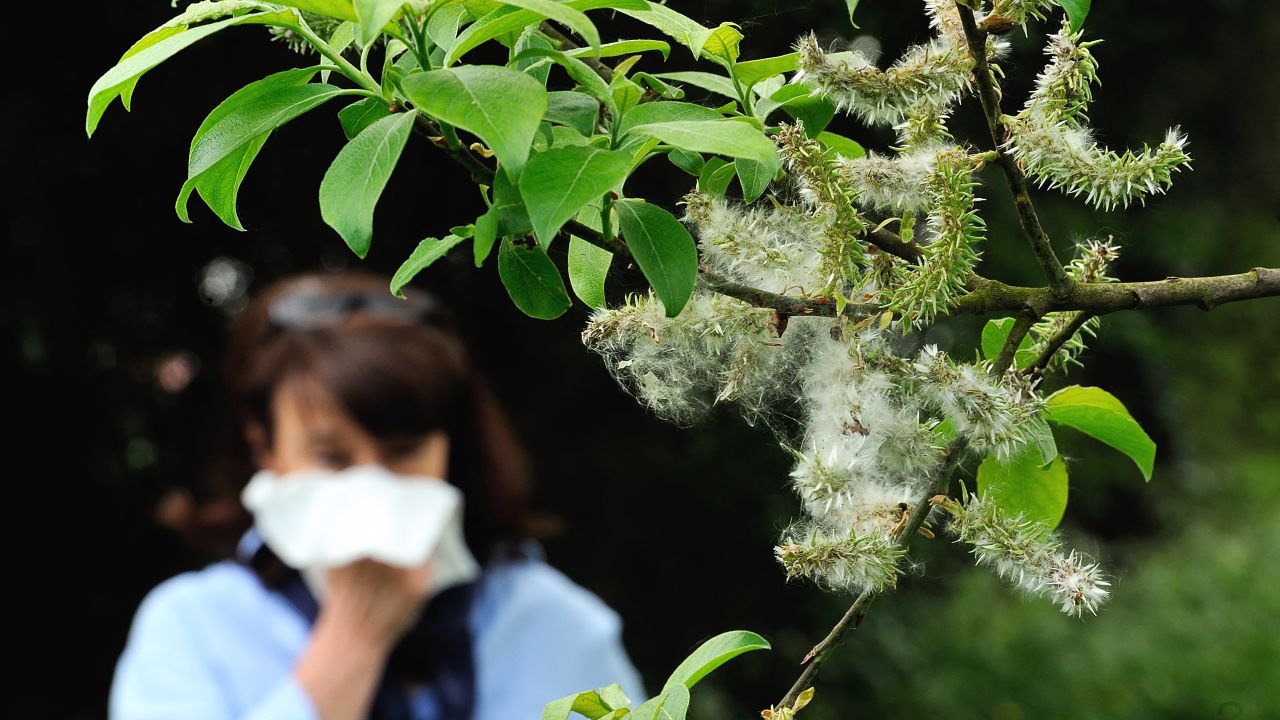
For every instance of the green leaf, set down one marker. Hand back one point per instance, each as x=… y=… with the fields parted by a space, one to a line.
x=690 y=162
x=575 y=20
x=722 y=137
x=716 y=176
x=661 y=111
x=532 y=281
x=841 y=145
x=800 y=102
x=626 y=93
x=581 y=73
x=588 y=263
x=852 y=5
x=663 y=249
x=994 y=334
x=511 y=19
x=556 y=184
x=560 y=708
x=427 y=252
x=722 y=44
x=712 y=654
x=486 y=232
x=718 y=84
x=1097 y=413
x=513 y=217
x=354 y=182
x=670 y=704
x=683 y=29
x=443 y=24
x=663 y=89
x=341 y=9
x=754 y=178
x=1077 y=10
x=1023 y=484
x=360 y=114
x=219 y=184
x=374 y=15
x=250 y=116
x=122 y=78
x=753 y=71
x=573 y=109
x=612 y=695
x=624 y=47
x=502 y=107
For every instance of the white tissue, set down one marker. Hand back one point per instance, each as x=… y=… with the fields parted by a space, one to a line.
x=316 y=519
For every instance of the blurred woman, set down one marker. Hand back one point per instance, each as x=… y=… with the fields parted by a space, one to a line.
x=325 y=374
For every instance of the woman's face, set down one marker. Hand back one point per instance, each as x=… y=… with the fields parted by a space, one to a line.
x=321 y=434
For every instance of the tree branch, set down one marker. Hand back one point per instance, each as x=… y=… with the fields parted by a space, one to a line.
x=566 y=44
x=857 y=612
x=1021 y=326
x=1058 y=278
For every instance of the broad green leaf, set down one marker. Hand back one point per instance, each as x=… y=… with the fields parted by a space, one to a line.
x=800 y=102
x=670 y=704
x=754 y=178
x=690 y=162
x=588 y=263
x=556 y=184
x=373 y=16
x=361 y=114
x=581 y=73
x=151 y=38
x=502 y=107
x=124 y=76
x=1097 y=413
x=722 y=44
x=722 y=137
x=532 y=281
x=683 y=29
x=624 y=47
x=1077 y=11
x=354 y=182
x=841 y=145
x=573 y=109
x=661 y=111
x=535 y=66
x=427 y=252
x=713 y=653
x=443 y=25
x=252 y=116
x=591 y=705
x=626 y=94
x=1024 y=485
x=663 y=249
x=341 y=9
x=716 y=176
x=511 y=19
x=718 y=84
x=219 y=184
x=994 y=334
x=753 y=71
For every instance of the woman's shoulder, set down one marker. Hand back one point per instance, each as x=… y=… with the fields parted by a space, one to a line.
x=528 y=588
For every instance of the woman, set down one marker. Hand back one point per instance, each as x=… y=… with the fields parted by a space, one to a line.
x=331 y=372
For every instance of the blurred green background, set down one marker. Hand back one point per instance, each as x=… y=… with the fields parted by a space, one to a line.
x=674 y=528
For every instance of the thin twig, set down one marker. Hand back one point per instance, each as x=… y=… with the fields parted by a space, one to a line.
x=1060 y=338
x=857 y=612
x=1021 y=326
x=1058 y=278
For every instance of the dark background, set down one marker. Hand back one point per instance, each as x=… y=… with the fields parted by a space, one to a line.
x=672 y=527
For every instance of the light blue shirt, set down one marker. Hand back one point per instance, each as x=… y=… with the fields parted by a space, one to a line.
x=216 y=644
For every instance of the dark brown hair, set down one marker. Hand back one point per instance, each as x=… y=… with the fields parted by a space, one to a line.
x=396 y=378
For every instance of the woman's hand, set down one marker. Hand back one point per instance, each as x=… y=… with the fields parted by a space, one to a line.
x=368 y=606
x=376 y=600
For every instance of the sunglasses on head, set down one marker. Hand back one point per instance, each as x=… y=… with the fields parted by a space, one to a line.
x=312 y=307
